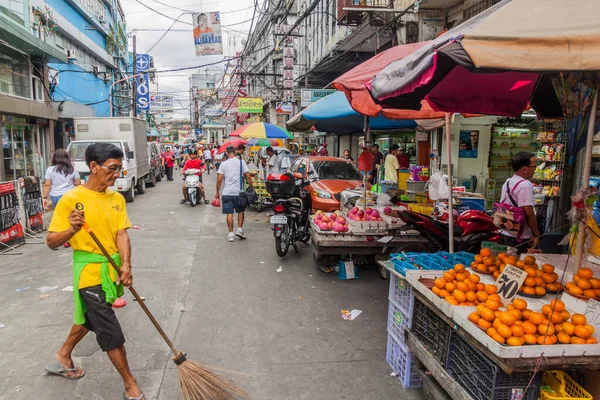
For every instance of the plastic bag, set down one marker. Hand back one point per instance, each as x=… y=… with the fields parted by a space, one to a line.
x=383 y=199
x=216 y=202
x=437 y=186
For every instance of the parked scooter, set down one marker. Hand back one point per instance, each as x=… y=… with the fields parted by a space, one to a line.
x=192 y=183
x=471 y=229
x=292 y=206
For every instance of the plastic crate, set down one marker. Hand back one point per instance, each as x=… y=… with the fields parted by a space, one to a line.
x=483 y=379
x=432 y=331
x=401 y=294
x=398 y=322
x=570 y=391
x=403 y=363
x=401 y=266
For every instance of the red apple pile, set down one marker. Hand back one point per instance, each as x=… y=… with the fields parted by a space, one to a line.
x=369 y=214
x=330 y=222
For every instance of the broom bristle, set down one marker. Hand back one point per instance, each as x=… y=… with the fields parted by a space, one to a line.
x=198 y=382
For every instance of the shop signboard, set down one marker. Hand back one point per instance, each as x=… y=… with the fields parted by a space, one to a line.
x=11 y=231
x=213 y=112
x=509 y=282
x=469 y=144
x=253 y=105
x=34 y=209
x=421 y=136
x=207 y=34
x=309 y=96
x=283 y=107
x=161 y=103
x=143 y=92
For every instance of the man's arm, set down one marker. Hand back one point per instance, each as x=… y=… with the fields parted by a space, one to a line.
x=248 y=178
x=219 y=182
x=532 y=222
x=56 y=239
x=124 y=248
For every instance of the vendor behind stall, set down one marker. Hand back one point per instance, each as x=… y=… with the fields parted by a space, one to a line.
x=391 y=164
x=403 y=158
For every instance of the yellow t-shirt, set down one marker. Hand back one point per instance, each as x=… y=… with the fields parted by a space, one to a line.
x=106 y=214
x=391 y=168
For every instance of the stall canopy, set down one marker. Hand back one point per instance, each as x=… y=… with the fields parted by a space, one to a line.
x=502 y=60
x=334 y=114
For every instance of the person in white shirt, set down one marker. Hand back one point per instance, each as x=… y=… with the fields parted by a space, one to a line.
x=521 y=195
x=272 y=162
x=208 y=160
x=229 y=176
x=60 y=177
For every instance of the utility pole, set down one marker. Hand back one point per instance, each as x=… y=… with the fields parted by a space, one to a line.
x=134 y=107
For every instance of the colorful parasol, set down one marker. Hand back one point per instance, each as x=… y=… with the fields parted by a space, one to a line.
x=261 y=130
x=262 y=142
x=234 y=142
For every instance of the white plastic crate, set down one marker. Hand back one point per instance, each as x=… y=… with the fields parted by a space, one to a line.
x=402 y=361
x=401 y=294
x=398 y=322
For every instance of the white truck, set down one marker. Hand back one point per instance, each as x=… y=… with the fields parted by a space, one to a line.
x=128 y=134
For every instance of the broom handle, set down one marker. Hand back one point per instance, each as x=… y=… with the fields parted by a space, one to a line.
x=132 y=290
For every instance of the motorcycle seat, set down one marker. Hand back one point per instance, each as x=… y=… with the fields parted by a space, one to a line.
x=458 y=231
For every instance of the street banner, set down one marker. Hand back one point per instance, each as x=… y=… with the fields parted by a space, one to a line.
x=11 y=231
x=283 y=107
x=207 y=34
x=252 y=105
x=32 y=203
x=161 y=103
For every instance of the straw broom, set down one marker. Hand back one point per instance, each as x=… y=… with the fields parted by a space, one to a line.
x=197 y=382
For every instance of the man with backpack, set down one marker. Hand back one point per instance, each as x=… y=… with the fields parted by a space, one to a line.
x=517 y=192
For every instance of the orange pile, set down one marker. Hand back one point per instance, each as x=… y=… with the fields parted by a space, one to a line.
x=519 y=325
x=584 y=284
x=486 y=262
x=538 y=280
x=461 y=288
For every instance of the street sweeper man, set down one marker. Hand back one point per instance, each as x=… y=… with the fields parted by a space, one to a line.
x=95 y=283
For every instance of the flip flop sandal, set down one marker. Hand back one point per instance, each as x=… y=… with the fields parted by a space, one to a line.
x=206 y=201
x=57 y=368
x=182 y=201
x=141 y=397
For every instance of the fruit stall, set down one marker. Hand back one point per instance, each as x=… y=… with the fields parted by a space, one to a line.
x=492 y=326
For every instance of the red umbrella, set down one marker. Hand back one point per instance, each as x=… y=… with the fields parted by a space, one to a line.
x=235 y=143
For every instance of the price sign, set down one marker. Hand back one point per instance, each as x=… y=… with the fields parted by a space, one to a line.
x=592 y=314
x=509 y=282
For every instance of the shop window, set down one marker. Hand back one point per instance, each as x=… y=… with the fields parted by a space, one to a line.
x=14 y=9
x=15 y=75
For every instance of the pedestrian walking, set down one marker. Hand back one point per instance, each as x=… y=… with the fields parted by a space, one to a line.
x=272 y=162
x=377 y=162
x=518 y=192
x=208 y=159
x=323 y=150
x=177 y=152
x=229 y=176
x=60 y=177
x=95 y=285
x=169 y=163
x=241 y=152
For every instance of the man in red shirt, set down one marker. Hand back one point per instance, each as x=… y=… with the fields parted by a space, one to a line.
x=403 y=159
x=193 y=163
x=168 y=162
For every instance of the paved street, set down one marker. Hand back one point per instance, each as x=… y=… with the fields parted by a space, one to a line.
x=280 y=335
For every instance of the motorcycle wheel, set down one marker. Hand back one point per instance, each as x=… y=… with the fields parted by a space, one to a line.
x=413 y=247
x=282 y=243
x=193 y=198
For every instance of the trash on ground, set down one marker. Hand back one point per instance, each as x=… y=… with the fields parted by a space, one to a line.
x=310 y=276
x=136 y=227
x=182 y=309
x=46 y=289
x=141 y=297
x=44 y=296
x=22 y=289
x=120 y=302
x=314 y=287
x=67 y=289
x=172 y=212
x=262 y=262
x=350 y=315
x=1 y=325
x=394 y=374
x=300 y=297
x=279 y=269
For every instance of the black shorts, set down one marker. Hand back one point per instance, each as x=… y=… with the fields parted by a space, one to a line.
x=229 y=204
x=101 y=319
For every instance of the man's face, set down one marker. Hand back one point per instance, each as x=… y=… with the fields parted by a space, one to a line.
x=107 y=172
x=194 y=156
x=474 y=138
x=375 y=149
x=401 y=152
x=269 y=153
x=530 y=169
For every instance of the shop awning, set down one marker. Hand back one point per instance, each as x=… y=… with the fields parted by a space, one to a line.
x=334 y=114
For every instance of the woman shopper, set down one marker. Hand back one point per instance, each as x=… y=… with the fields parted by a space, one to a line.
x=347 y=156
x=60 y=177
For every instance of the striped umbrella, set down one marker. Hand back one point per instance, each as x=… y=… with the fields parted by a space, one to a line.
x=235 y=143
x=262 y=142
x=261 y=130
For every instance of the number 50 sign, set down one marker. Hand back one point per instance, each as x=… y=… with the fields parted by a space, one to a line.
x=509 y=282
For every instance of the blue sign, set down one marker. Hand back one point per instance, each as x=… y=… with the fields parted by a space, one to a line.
x=198 y=131
x=143 y=92
x=142 y=62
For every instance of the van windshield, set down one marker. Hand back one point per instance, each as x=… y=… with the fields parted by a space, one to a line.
x=77 y=149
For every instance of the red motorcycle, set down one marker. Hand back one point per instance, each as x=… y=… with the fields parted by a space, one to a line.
x=471 y=229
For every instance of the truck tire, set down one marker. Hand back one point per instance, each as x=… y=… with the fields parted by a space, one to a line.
x=141 y=186
x=130 y=195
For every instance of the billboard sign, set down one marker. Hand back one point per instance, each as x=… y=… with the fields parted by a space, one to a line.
x=213 y=112
x=142 y=88
x=252 y=105
x=161 y=103
x=207 y=34
x=142 y=62
x=283 y=107
x=309 y=96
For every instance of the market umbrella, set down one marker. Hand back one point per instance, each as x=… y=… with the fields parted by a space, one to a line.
x=262 y=142
x=234 y=142
x=334 y=113
x=261 y=130
x=497 y=62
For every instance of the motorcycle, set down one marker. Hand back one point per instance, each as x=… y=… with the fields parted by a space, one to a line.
x=292 y=205
x=471 y=229
x=192 y=183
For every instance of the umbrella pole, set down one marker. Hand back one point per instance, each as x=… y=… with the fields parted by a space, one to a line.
x=586 y=178
x=367 y=134
x=450 y=203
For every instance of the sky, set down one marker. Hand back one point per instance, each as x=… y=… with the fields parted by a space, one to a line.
x=176 y=49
